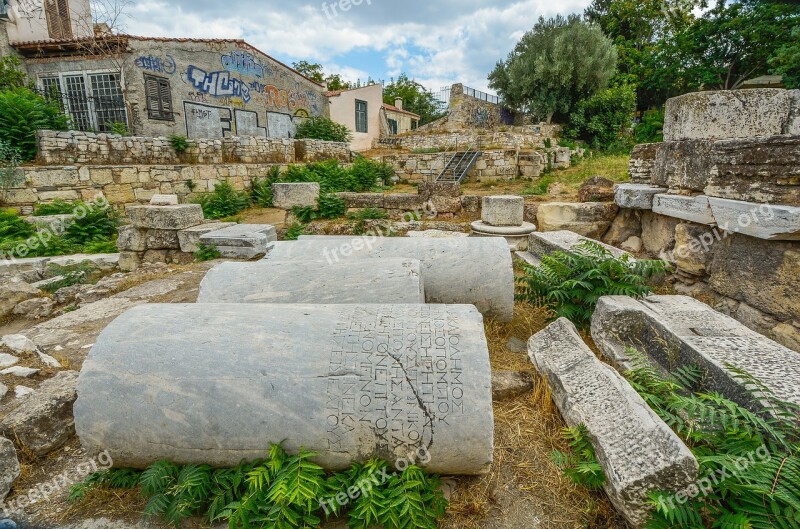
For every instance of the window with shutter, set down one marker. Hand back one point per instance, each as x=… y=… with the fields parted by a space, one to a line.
x=59 y=24
x=361 y=116
x=158 y=95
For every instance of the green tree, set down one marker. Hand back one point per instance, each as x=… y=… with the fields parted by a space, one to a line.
x=786 y=60
x=416 y=98
x=11 y=74
x=556 y=64
x=335 y=82
x=604 y=120
x=312 y=70
x=22 y=113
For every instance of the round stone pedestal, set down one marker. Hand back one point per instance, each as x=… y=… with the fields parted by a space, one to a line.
x=517 y=236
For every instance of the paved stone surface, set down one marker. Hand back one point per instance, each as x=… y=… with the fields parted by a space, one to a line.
x=226 y=380
x=636 y=196
x=638 y=451
x=9 y=467
x=473 y=270
x=728 y=114
x=43 y=422
x=695 y=209
x=679 y=330
x=287 y=196
x=507 y=385
x=189 y=237
x=763 y=221
x=166 y=217
x=591 y=219
x=363 y=281
x=241 y=241
x=503 y=210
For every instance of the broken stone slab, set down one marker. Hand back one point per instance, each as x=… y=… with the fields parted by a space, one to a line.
x=103 y=261
x=503 y=210
x=241 y=241
x=19 y=344
x=728 y=114
x=289 y=195
x=639 y=453
x=674 y=331
x=19 y=371
x=9 y=467
x=590 y=219
x=636 y=196
x=131 y=239
x=166 y=217
x=189 y=237
x=472 y=270
x=44 y=421
x=35 y=308
x=695 y=209
x=763 y=221
x=349 y=382
x=164 y=200
x=508 y=385
x=162 y=240
x=363 y=281
x=546 y=243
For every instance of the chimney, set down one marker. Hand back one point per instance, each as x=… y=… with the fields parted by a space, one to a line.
x=398 y=102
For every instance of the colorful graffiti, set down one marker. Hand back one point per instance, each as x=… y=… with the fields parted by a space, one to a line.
x=218 y=84
x=157 y=64
x=244 y=63
x=293 y=100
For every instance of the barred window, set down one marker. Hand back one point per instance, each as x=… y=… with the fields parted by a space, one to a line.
x=158 y=94
x=361 y=116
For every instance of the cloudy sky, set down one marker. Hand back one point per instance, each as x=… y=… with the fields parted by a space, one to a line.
x=438 y=42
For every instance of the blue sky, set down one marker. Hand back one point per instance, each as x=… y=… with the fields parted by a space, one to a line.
x=437 y=42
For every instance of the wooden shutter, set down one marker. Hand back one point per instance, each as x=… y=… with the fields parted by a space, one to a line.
x=165 y=96
x=64 y=18
x=58 y=20
x=151 y=94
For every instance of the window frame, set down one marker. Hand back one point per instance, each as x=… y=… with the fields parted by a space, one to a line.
x=92 y=109
x=359 y=116
x=159 y=114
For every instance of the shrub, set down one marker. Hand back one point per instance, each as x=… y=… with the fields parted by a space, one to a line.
x=651 y=128
x=223 y=202
x=179 y=143
x=366 y=173
x=206 y=252
x=261 y=188
x=603 y=120
x=571 y=283
x=13 y=228
x=117 y=127
x=540 y=187
x=10 y=175
x=322 y=128
x=56 y=207
x=22 y=113
x=99 y=224
x=11 y=74
x=329 y=206
x=365 y=214
x=285 y=491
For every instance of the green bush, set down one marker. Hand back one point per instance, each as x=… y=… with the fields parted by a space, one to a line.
x=651 y=128
x=223 y=202
x=366 y=173
x=329 y=206
x=10 y=175
x=604 y=119
x=322 y=128
x=282 y=492
x=179 y=143
x=580 y=464
x=569 y=284
x=56 y=207
x=11 y=74
x=92 y=223
x=22 y=113
x=13 y=228
x=261 y=188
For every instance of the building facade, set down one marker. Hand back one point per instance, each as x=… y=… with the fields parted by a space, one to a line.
x=200 y=88
x=400 y=120
x=359 y=110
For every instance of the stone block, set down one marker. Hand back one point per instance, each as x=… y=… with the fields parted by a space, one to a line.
x=508 y=210
x=241 y=241
x=674 y=331
x=228 y=380
x=162 y=240
x=727 y=114
x=166 y=217
x=468 y=270
x=363 y=200
x=695 y=209
x=683 y=165
x=288 y=196
x=763 y=221
x=627 y=224
x=444 y=204
x=658 y=233
x=164 y=200
x=639 y=453
x=694 y=244
x=9 y=466
x=472 y=204
x=429 y=189
x=596 y=189
x=404 y=202
x=508 y=385
x=320 y=282
x=545 y=243
x=588 y=219
x=129 y=261
x=189 y=237
x=636 y=196
x=131 y=239
x=44 y=421
x=14 y=291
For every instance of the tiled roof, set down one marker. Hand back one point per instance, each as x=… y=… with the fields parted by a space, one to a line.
x=401 y=111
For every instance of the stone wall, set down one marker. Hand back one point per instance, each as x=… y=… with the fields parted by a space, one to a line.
x=75 y=147
x=492 y=165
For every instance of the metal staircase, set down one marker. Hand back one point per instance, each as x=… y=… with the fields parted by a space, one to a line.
x=459 y=165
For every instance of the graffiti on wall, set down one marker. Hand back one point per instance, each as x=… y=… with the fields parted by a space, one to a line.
x=293 y=100
x=218 y=84
x=480 y=117
x=30 y=9
x=157 y=64
x=244 y=63
x=207 y=121
x=247 y=124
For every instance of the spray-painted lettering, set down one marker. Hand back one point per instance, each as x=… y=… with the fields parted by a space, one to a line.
x=243 y=62
x=157 y=64
x=218 y=84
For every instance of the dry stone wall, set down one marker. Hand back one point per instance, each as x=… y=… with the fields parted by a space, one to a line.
x=492 y=165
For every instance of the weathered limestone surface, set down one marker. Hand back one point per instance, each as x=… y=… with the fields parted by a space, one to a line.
x=562 y=241
x=164 y=200
x=241 y=241
x=679 y=330
x=636 y=196
x=472 y=270
x=363 y=281
x=684 y=165
x=189 y=237
x=44 y=421
x=695 y=209
x=166 y=217
x=287 y=196
x=638 y=451
x=14 y=291
x=763 y=221
x=9 y=467
x=728 y=114
x=217 y=383
x=643 y=158
x=503 y=210
x=591 y=219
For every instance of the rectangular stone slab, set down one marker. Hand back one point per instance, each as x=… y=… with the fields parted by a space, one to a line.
x=763 y=221
x=363 y=281
x=545 y=243
x=679 y=330
x=476 y=271
x=241 y=241
x=638 y=451
x=165 y=217
x=636 y=196
x=694 y=209
x=218 y=383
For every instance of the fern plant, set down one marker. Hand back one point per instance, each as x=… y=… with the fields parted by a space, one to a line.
x=580 y=464
x=571 y=283
x=223 y=202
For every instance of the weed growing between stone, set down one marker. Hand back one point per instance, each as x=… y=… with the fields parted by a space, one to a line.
x=284 y=492
x=206 y=252
x=580 y=463
x=571 y=283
